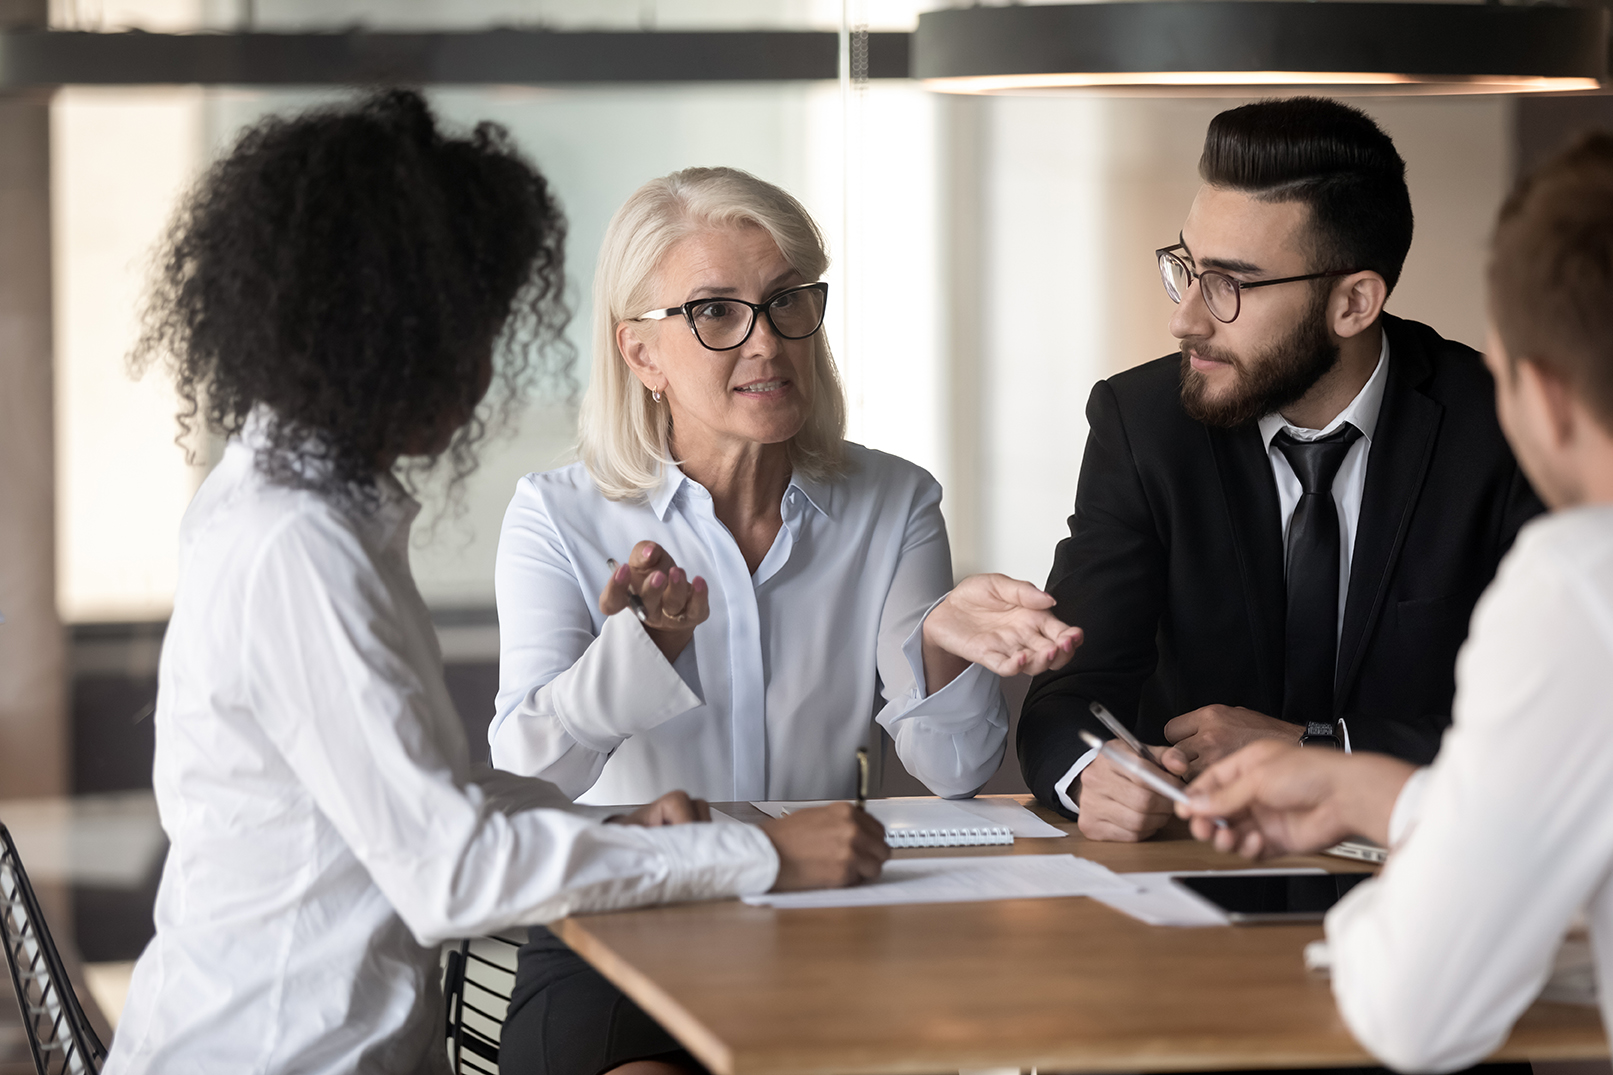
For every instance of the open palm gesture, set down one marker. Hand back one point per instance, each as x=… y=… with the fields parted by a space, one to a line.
x=1002 y=624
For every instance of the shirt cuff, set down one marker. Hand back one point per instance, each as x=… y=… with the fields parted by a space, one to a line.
x=1408 y=807
x=968 y=694
x=913 y=650
x=713 y=860
x=621 y=686
x=1062 y=785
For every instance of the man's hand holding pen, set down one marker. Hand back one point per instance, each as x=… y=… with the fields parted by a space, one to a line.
x=1281 y=800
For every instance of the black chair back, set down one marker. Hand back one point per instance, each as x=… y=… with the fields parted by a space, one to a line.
x=59 y=1033
x=477 y=983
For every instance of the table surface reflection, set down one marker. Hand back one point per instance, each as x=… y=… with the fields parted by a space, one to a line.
x=1054 y=984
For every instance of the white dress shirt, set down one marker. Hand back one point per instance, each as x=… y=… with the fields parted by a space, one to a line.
x=326 y=832
x=775 y=693
x=1509 y=833
x=1349 y=485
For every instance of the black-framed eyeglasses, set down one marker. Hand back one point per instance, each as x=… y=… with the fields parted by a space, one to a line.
x=723 y=324
x=1223 y=295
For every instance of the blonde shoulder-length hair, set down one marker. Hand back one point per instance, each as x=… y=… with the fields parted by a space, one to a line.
x=622 y=431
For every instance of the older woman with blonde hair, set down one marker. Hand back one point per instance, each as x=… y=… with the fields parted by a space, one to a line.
x=778 y=582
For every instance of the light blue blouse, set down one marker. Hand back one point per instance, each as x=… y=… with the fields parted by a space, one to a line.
x=775 y=693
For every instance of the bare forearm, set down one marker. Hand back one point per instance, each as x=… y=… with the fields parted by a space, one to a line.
x=1366 y=800
x=940 y=666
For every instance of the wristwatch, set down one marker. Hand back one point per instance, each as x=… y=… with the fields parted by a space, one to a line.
x=1320 y=734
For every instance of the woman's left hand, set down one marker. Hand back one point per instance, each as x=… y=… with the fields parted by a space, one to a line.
x=673 y=808
x=1000 y=623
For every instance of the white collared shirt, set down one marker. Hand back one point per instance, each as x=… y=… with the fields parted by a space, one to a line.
x=775 y=693
x=1509 y=834
x=327 y=834
x=1349 y=486
x=1350 y=483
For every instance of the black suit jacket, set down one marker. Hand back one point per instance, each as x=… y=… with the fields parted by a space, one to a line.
x=1174 y=563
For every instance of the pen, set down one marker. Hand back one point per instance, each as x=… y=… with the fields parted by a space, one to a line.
x=1122 y=732
x=862 y=778
x=633 y=599
x=1142 y=772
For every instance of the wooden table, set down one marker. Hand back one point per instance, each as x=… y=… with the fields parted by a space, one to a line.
x=1054 y=984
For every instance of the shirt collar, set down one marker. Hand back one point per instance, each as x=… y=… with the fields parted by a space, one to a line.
x=393 y=514
x=819 y=495
x=384 y=522
x=1362 y=411
x=672 y=479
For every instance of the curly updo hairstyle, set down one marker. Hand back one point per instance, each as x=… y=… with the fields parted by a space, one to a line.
x=349 y=271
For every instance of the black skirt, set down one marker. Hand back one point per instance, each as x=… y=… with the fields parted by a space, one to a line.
x=565 y=1018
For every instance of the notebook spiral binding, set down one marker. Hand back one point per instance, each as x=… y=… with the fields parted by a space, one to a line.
x=973 y=836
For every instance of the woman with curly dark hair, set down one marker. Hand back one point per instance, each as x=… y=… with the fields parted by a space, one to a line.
x=337 y=297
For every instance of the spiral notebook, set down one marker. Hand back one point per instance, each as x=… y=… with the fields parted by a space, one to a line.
x=922 y=823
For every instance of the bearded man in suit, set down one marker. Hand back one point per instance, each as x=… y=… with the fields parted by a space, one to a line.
x=1279 y=533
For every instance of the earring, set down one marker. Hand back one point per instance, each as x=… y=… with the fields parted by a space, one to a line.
x=656 y=395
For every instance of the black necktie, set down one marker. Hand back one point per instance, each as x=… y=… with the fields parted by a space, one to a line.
x=1313 y=575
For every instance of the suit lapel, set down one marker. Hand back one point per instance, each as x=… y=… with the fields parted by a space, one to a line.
x=1402 y=447
x=1257 y=531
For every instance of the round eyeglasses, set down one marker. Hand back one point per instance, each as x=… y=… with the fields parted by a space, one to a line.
x=1223 y=296
x=723 y=324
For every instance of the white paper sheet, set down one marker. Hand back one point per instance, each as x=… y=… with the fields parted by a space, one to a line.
x=994 y=809
x=1158 y=902
x=963 y=880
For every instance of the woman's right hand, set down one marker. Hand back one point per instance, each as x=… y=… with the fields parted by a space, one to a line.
x=826 y=847
x=674 y=604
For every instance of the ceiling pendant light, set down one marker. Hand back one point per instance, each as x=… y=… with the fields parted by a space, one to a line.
x=1239 y=47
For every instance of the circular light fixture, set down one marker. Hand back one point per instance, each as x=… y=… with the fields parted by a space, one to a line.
x=1234 y=47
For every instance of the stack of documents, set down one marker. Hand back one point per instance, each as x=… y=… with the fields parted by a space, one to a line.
x=963 y=880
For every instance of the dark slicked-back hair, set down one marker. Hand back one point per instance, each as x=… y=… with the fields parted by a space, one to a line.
x=1551 y=271
x=349 y=270
x=1332 y=158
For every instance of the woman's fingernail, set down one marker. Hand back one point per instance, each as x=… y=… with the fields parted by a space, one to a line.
x=657 y=580
x=677 y=574
x=623 y=573
x=699 y=584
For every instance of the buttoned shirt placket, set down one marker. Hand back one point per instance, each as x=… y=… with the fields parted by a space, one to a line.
x=736 y=589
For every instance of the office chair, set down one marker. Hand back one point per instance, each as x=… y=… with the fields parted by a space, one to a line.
x=59 y=1034
x=477 y=985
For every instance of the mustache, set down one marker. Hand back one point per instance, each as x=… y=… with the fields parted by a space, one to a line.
x=1191 y=347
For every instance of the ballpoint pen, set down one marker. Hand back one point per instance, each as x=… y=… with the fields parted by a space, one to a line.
x=862 y=778
x=1121 y=732
x=1142 y=772
x=634 y=600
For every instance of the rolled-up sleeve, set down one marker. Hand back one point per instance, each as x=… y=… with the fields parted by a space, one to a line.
x=567 y=698
x=351 y=713
x=952 y=740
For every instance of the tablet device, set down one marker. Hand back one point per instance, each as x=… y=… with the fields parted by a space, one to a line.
x=1273 y=897
x=1360 y=850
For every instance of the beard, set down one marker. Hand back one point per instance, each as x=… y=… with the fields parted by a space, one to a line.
x=1278 y=376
